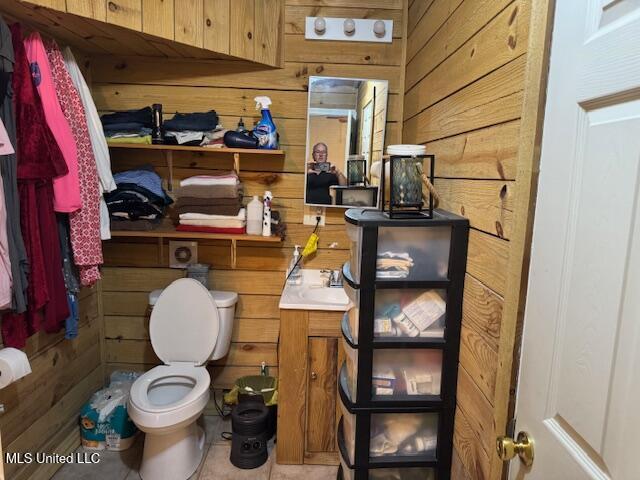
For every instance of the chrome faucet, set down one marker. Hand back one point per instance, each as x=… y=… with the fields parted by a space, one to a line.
x=335 y=279
x=331 y=278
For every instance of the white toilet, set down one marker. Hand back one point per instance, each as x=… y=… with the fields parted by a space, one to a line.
x=189 y=326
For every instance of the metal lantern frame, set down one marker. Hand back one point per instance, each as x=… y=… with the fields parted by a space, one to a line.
x=360 y=166
x=412 y=210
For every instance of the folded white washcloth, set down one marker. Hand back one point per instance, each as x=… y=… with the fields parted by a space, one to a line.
x=242 y=214
x=215 y=223
x=210 y=180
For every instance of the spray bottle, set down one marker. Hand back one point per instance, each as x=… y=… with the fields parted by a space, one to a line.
x=265 y=130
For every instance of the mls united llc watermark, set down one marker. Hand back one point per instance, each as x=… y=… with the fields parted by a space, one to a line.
x=42 y=457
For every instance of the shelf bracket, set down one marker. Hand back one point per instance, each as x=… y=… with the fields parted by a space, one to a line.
x=233 y=253
x=236 y=162
x=160 y=250
x=169 y=157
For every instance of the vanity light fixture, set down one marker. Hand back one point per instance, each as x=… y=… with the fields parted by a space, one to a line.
x=379 y=28
x=349 y=29
x=320 y=25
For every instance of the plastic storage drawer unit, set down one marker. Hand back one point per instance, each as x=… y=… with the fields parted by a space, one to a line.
x=393 y=473
x=404 y=253
x=393 y=435
x=401 y=313
x=397 y=374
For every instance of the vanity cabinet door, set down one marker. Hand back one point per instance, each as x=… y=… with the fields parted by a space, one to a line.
x=322 y=394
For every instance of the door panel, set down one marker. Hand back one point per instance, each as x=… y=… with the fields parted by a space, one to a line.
x=579 y=389
x=322 y=391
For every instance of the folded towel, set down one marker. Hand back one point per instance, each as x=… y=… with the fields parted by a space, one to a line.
x=208 y=191
x=200 y=201
x=194 y=228
x=210 y=180
x=223 y=210
x=146 y=139
x=242 y=215
x=215 y=223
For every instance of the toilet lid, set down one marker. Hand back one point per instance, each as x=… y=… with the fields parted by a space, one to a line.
x=184 y=323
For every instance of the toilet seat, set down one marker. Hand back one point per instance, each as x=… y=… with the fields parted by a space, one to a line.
x=185 y=323
x=140 y=389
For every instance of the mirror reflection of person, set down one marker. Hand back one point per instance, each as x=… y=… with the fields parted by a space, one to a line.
x=318 y=182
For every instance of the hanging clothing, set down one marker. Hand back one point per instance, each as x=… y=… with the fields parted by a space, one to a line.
x=39 y=161
x=71 y=281
x=5 y=261
x=86 y=243
x=66 y=188
x=8 y=170
x=98 y=141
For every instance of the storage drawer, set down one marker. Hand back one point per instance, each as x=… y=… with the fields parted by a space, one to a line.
x=415 y=473
x=397 y=373
x=401 y=313
x=404 y=253
x=394 y=435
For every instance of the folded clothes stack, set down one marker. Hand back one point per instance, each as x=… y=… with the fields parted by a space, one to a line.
x=194 y=129
x=139 y=202
x=211 y=204
x=132 y=126
x=393 y=265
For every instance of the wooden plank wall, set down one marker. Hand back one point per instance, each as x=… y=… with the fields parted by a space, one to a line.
x=41 y=410
x=247 y=29
x=464 y=85
x=135 y=268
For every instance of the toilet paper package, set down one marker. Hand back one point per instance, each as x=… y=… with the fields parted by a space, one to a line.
x=14 y=364
x=104 y=421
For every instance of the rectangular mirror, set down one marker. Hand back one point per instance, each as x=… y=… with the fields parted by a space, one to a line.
x=346 y=121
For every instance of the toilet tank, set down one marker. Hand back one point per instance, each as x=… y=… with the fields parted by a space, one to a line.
x=226 y=303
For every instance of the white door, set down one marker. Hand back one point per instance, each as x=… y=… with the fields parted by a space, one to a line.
x=579 y=387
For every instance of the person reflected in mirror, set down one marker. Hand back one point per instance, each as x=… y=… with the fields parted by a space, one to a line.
x=321 y=175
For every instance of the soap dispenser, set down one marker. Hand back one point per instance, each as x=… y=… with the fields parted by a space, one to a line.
x=294 y=272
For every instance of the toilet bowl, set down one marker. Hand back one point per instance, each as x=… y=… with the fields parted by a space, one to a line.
x=189 y=325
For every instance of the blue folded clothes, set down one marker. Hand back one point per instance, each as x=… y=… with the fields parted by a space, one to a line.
x=143 y=116
x=144 y=178
x=199 y=121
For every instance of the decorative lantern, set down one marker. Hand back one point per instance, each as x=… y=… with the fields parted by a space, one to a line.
x=356 y=170
x=401 y=183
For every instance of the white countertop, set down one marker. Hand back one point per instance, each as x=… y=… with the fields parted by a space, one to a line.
x=312 y=295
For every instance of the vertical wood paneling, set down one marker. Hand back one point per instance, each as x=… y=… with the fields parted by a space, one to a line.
x=158 y=18
x=268 y=31
x=96 y=9
x=216 y=25
x=189 y=24
x=241 y=29
x=125 y=13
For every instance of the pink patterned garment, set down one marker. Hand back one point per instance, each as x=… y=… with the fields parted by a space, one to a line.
x=85 y=223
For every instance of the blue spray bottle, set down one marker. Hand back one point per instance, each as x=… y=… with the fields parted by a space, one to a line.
x=265 y=130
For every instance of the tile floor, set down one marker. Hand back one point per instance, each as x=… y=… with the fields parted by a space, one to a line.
x=215 y=465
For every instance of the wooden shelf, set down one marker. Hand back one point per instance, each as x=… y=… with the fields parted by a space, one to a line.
x=184 y=148
x=167 y=151
x=169 y=232
x=164 y=232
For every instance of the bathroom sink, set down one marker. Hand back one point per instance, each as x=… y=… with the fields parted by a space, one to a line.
x=333 y=295
x=311 y=295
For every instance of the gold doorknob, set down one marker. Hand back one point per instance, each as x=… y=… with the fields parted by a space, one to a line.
x=508 y=448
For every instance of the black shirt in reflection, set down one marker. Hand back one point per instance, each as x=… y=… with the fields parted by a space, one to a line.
x=318 y=187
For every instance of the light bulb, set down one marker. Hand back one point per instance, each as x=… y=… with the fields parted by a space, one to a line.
x=320 y=25
x=349 y=27
x=379 y=28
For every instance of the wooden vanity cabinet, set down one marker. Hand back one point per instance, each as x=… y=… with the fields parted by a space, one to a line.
x=310 y=355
